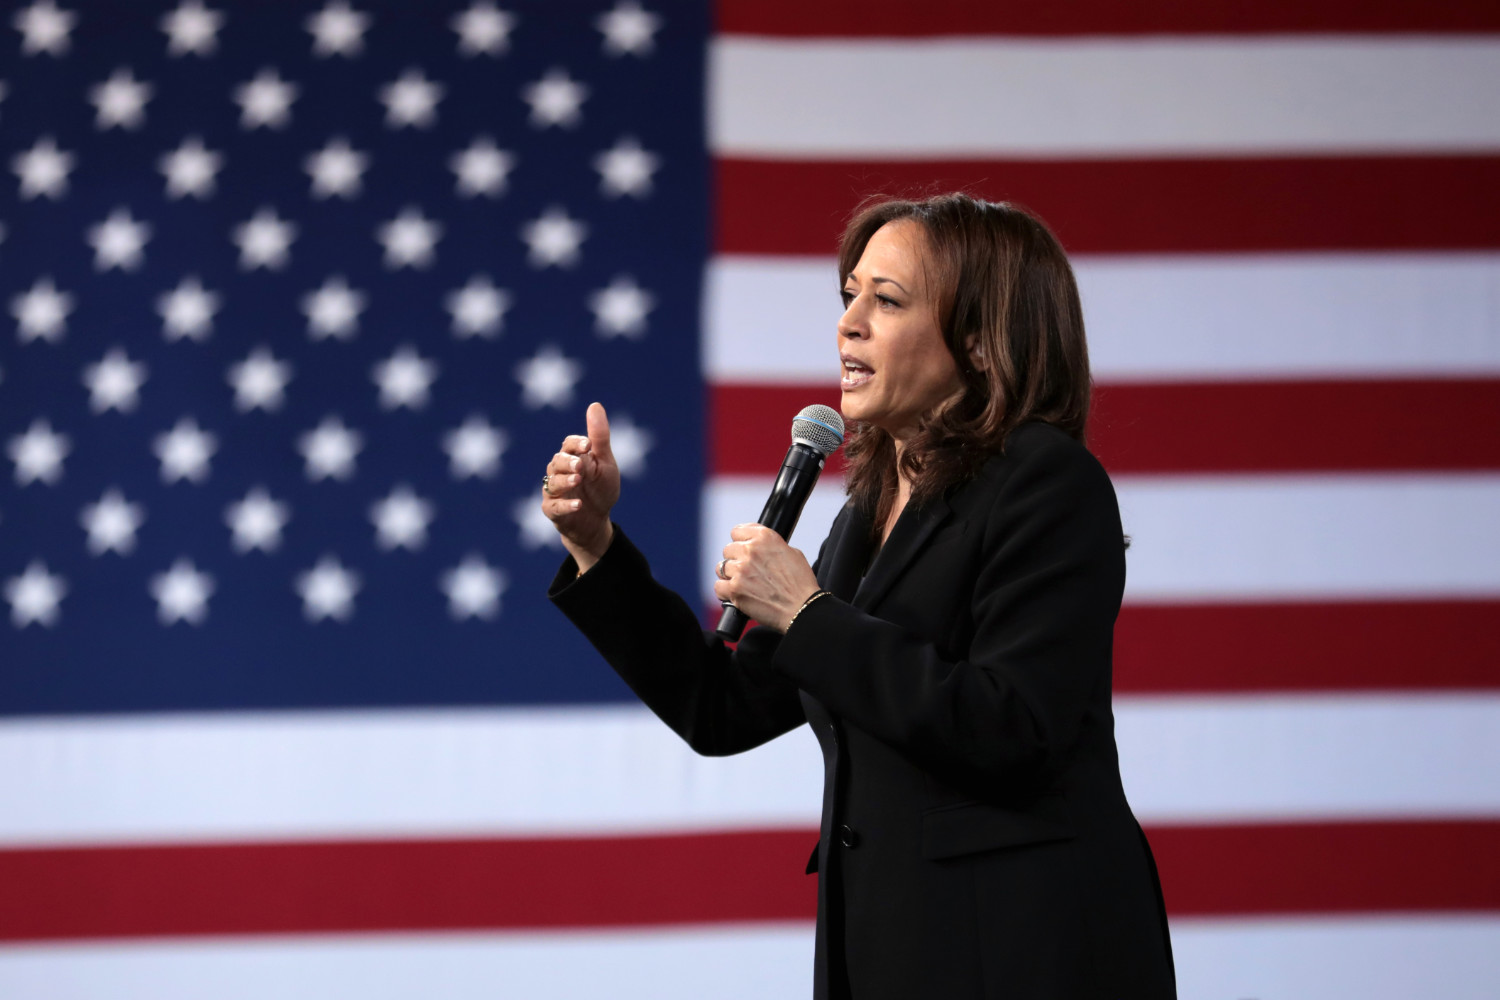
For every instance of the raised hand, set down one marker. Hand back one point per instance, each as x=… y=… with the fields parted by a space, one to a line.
x=582 y=485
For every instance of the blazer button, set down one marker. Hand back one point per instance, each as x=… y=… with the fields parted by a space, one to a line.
x=847 y=836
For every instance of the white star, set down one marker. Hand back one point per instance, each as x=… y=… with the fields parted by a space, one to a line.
x=629 y=444
x=330 y=449
x=328 y=590
x=120 y=100
x=192 y=28
x=119 y=241
x=336 y=169
x=483 y=29
x=42 y=312
x=628 y=29
x=547 y=378
x=44 y=28
x=182 y=594
x=620 y=309
x=474 y=449
x=38 y=453
x=411 y=100
x=187 y=311
x=43 y=169
x=333 y=310
x=264 y=241
x=256 y=521
x=474 y=588
x=184 y=451
x=537 y=530
x=553 y=239
x=338 y=30
x=190 y=169
x=482 y=168
x=555 y=99
x=114 y=382
x=401 y=520
x=112 y=523
x=626 y=169
x=478 y=308
x=259 y=381
x=265 y=100
x=405 y=379
x=34 y=596
x=409 y=239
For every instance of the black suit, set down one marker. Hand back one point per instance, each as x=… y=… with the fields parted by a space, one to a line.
x=976 y=841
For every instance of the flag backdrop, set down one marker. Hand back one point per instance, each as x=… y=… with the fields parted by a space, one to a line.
x=301 y=296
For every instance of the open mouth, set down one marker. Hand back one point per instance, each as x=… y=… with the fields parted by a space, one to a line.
x=855 y=374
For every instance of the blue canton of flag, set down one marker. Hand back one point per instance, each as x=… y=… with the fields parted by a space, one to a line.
x=301 y=299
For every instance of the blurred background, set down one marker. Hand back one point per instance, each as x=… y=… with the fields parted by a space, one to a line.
x=300 y=296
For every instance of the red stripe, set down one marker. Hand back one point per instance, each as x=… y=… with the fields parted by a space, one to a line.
x=1138 y=206
x=404 y=885
x=1305 y=426
x=121 y=892
x=906 y=19
x=1329 y=867
x=1388 y=645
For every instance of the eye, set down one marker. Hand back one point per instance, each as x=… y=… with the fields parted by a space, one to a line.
x=887 y=301
x=847 y=296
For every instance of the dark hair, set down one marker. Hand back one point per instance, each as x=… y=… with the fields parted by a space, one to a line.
x=1002 y=284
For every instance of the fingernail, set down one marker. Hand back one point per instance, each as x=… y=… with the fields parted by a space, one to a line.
x=576 y=504
x=575 y=462
x=574 y=480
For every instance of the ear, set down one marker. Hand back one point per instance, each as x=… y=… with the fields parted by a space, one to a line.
x=975 y=350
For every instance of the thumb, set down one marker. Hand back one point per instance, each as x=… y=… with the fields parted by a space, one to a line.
x=597 y=422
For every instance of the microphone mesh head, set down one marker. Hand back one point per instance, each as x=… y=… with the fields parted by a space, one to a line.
x=819 y=427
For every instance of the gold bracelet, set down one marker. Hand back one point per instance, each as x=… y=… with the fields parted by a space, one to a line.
x=815 y=595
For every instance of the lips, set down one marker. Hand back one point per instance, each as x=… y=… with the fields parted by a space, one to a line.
x=855 y=373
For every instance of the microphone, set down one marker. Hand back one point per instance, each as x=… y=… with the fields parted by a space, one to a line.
x=817 y=433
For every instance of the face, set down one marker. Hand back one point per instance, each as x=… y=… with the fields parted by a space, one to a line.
x=896 y=367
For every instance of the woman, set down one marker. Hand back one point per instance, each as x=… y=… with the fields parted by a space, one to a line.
x=950 y=647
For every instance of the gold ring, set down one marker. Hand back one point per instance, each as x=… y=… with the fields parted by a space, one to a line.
x=547 y=485
x=719 y=568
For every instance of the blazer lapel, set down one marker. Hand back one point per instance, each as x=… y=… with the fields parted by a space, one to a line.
x=912 y=531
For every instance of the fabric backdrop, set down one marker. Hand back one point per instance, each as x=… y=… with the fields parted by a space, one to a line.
x=301 y=296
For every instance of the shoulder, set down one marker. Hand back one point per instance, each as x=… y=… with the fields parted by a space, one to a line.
x=1041 y=455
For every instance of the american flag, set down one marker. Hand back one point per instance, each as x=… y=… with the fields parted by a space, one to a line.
x=302 y=295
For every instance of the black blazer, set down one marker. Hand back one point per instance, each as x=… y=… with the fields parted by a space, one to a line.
x=976 y=841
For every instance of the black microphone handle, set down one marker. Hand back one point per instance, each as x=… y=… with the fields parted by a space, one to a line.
x=794 y=484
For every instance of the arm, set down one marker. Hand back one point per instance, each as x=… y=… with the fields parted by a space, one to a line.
x=720 y=702
x=1043 y=609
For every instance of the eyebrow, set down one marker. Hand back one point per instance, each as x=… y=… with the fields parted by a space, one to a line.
x=882 y=281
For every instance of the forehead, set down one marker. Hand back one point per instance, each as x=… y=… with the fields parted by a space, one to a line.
x=895 y=250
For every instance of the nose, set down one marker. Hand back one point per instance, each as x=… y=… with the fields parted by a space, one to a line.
x=852 y=325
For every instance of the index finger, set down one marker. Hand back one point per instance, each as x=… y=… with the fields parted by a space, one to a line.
x=576 y=444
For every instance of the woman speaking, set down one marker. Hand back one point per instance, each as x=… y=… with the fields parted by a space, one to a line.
x=950 y=646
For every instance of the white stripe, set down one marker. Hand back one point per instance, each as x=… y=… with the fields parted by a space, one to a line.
x=1375 y=958
x=385 y=773
x=1102 y=97
x=533 y=772
x=773 y=319
x=1232 y=537
x=729 y=963
x=1309 y=757
x=1229 y=537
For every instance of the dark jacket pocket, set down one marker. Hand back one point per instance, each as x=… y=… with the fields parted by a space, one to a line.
x=967 y=828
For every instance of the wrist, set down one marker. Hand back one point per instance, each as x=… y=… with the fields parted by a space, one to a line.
x=586 y=554
x=811 y=599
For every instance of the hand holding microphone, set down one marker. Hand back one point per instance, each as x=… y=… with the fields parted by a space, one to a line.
x=761 y=576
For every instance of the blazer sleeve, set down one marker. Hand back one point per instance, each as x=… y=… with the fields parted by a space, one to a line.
x=720 y=701
x=1051 y=574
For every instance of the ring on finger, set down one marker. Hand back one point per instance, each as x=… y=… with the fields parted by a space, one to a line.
x=720 y=567
x=547 y=485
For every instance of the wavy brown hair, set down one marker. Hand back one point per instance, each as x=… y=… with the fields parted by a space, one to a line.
x=1008 y=309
